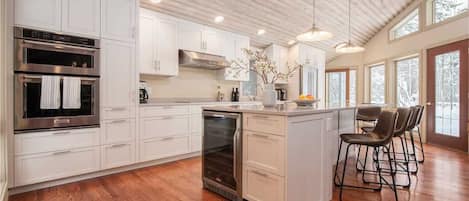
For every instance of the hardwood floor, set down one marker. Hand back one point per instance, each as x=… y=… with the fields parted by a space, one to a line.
x=443 y=177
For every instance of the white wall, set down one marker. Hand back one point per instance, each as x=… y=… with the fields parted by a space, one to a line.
x=3 y=133
x=190 y=83
x=380 y=49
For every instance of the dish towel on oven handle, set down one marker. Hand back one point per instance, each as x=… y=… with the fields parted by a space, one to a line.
x=50 y=92
x=71 y=93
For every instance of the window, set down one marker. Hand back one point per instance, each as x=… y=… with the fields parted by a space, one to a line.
x=408 y=25
x=340 y=87
x=407 y=75
x=249 y=88
x=444 y=9
x=377 y=84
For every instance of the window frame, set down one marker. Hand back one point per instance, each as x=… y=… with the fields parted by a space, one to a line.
x=347 y=83
x=430 y=15
x=394 y=63
x=368 y=68
x=414 y=12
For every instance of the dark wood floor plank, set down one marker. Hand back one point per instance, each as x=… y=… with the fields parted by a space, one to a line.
x=443 y=177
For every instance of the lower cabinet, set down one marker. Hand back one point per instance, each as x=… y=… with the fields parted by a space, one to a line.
x=117 y=155
x=120 y=130
x=196 y=142
x=157 y=148
x=261 y=186
x=37 y=168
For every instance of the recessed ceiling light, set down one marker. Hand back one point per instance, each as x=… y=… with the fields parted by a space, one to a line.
x=219 y=19
x=291 y=42
x=260 y=32
x=156 y=1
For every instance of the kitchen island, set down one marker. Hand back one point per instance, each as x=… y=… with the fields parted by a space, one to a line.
x=287 y=151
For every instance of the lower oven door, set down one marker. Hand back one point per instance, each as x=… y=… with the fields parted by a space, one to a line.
x=29 y=114
x=221 y=155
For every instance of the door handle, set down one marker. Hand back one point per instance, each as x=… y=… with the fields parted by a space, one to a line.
x=429 y=103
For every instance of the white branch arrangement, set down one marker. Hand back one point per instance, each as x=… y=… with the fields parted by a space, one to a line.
x=263 y=67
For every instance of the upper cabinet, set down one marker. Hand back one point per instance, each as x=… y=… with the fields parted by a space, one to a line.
x=81 y=16
x=279 y=55
x=41 y=14
x=199 y=38
x=158 y=44
x=232 y=49
x=118 y=20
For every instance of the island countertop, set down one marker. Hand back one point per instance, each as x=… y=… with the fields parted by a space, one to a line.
x=288 y=109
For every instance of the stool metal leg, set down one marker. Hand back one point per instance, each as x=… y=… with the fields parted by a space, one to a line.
x=406 y=157
x=421 y=146
x=393 y=175
x=343 y=173
x=337 y=164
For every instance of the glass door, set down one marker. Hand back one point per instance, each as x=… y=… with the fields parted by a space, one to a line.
x=447 y=95
x=340 y=87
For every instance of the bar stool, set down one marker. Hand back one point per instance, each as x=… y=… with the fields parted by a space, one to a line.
x=400 y=165
x=380 y=137
x=418 y=120
x=366 y=114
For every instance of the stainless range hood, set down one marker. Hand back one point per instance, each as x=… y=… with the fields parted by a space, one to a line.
x=201 y=60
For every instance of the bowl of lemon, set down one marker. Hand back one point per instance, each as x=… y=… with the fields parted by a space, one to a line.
x=306 y=100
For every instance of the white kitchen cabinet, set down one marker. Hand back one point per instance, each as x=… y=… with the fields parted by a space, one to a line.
x=40 y=14
x=279 y=55
x=82 y=17
x=163 y=110
x=116 y=155
x=196 y=143
x=164 y=126
x=118 y=19
x=196 y=123
x=158 y=44
x=199 y=38
x=119 y=130
x=264 y=151
x=47 y=141
x=261 y=186
x=117 y=78
x=233 y=46
x=157 y=148
x=37 y=168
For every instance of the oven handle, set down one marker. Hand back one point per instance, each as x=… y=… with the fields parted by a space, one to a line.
x=39 y=77
x=59 y=46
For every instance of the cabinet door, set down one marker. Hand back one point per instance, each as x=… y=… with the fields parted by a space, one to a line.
x=117 y=75
x=259 y=185
x=118 y=19
x=190 y=36
x=241 y=43
x=212 y=41
x=115 y=131
x=42 y=14
x=282 y=63
x=81 y=17
x=164 y=126
x=167 y=47
x=153 y=149
x=117 y=155
x=147 y=41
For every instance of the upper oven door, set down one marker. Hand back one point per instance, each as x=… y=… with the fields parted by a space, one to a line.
x=30 y=114
x=41 y=57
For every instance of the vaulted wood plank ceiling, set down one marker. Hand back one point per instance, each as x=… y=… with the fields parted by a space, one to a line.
x=283 y=20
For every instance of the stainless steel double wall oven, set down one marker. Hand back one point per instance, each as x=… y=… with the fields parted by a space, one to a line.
x=39 y=54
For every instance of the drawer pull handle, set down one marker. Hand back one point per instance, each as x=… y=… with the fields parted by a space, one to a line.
x=118 y=121
x=116 y=109
x=118 y=145
x=167 y=107
x=61 y=133
x=303 y=121
x=167 y=117
x=260 y=173
x=61 y=152
x=167 y=138
x=260 y=136
x=261 y=117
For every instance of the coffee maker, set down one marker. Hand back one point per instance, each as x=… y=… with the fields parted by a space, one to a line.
x=281 y=94
x=145 y=92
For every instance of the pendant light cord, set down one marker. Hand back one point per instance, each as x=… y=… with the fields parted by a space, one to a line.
x=314 y=13
x=349 y=23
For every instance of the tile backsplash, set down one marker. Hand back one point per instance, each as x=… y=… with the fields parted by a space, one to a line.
x=190 y=83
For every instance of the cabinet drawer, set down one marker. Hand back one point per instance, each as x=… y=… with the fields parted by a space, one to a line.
x=196 y=123
x=164 y=110
x=264 y=151
x=196 y=143
x=164 y=126
x=117 y=155
x=261 y=186
x=163 y=147
x=117 y=112
x=264 y=123
x=30 y=169
x=31 y=143
x=117 y=130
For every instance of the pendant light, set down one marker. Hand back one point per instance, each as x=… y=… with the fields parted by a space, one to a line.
x=314 y=34
x=348 y=47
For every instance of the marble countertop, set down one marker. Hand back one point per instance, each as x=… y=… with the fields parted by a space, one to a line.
x=289 y=109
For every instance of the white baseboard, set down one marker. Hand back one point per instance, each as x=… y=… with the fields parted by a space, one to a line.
x=32 y=187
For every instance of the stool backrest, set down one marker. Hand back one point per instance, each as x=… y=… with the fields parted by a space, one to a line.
x=420 y=114
x=372 y=111
x=414 y=117
x=403 y=120
x=385 y=126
